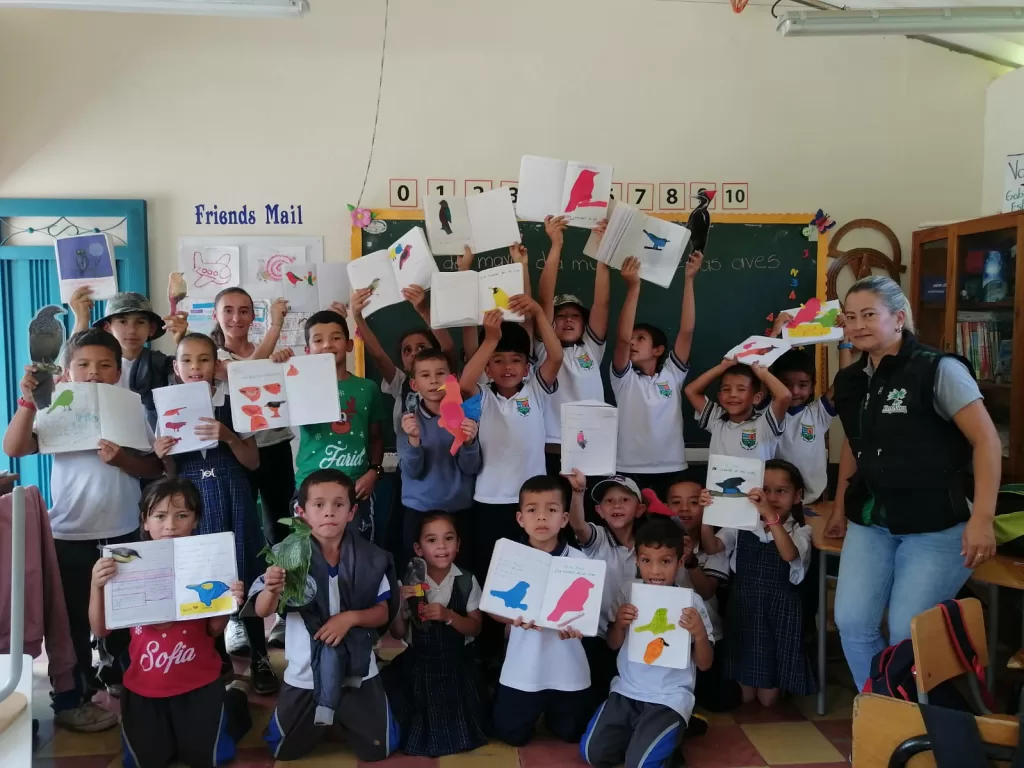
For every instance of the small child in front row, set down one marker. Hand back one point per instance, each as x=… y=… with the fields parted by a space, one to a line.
x=765 y=623
x=332 y=677
x=545 y=670
x=174 y=706
x=437 y=673
x=736 y=427
x=221 y=474
x=645 y=716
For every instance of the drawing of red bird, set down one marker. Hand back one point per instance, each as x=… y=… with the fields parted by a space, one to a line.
x=174 y=411
x=253 y=393
x=572 y=600
x=756 y=352
x=807 y=312
x=309 y=278
x=582 y=192
x=581 y=440
x=259 y=421
x=452 y=414
x=404 y=257
x=175 y=426
x=252 y=410
x=274 y=389
x=292 y=371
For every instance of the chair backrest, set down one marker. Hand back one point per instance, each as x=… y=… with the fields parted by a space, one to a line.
x=881 y=724
x=934 y=656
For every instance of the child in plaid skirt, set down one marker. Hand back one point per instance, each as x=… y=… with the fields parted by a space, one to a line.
x=221 y=475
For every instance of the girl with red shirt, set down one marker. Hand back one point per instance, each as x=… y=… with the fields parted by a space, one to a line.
x=174 y=705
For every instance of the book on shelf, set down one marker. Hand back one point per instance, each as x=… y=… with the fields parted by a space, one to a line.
x=980 y=340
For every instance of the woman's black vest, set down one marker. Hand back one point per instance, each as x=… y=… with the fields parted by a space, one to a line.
x=909 y=458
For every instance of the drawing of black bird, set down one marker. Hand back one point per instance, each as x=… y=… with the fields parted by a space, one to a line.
x=731 y=487
x=82 y=260
x=699 y=222
x=45 y=339
x=444 y=213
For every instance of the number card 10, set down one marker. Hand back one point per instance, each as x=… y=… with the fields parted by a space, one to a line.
x=735 y=196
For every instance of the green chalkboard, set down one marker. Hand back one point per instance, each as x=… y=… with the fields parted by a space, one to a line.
x=746 y=276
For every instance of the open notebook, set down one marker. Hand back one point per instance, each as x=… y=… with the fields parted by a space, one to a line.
x=407 y=261
x=483 y=222
x=463 y=298
x=180 y=408
x=555 y=592
x=80 y=415
x=657 y=243
x=550 y=187
x=268 y=395
x=171 y=580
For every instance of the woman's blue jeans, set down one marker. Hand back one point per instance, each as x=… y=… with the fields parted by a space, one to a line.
x=907 y=574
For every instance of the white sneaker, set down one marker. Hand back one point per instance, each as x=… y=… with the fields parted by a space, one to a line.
x=276 y=639
x=236 y=640
x=88 y=718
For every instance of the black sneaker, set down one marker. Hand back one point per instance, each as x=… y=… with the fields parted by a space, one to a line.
x=262 y=676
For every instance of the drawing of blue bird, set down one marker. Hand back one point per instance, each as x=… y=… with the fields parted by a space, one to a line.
x=657 y=243
x=209 y=591
x=513 y=598
x=731 y=487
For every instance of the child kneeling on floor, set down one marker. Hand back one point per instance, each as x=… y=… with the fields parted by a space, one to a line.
x=645 y=716
x=332 y=677
x=174 y=705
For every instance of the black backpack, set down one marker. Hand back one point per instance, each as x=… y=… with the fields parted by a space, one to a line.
x=894 y=672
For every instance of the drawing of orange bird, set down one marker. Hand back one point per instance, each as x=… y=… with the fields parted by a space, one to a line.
x=654 y=650
x=259 y=421
x=274 y=389
x=252 y=410
x=174 y=411
x=292 y=371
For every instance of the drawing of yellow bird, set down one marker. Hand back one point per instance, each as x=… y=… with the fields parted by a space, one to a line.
x=124 y=554
x=500 y=298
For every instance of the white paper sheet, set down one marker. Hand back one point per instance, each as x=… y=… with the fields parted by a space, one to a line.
x=268 y=395
x=813 y=323
x=493 y=220
x=411 y=259
x=204 y=569
x=179 y=410
x=762 y=350
x=590 y=431
x=730 y=479
x=572 y=594
x=86 y=261
x=313 y=391
x=655 y=637
x=586 y=193
x=82 y=414
x=374 y=270
x=333 y=283
x=497 y=286
x=300 y=288
x=454 y=299
x=448 y=226
x=209 y=270
x=541 y=186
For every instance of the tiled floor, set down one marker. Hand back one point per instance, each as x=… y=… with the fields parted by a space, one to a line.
x=790 y=734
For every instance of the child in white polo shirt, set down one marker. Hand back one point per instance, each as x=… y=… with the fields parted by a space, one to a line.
x=621 y=509
x=647 y=380
x=545 y=670
x=643 y=721
x=736 y=427
x=582 y=333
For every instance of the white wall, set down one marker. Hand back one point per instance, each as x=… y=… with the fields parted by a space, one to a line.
x=182 y=111
x=1004 y=118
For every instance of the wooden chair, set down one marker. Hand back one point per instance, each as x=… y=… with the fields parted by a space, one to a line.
x=881 y=725
x=934 y=657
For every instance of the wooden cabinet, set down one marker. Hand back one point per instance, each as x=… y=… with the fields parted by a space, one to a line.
x=966 y=295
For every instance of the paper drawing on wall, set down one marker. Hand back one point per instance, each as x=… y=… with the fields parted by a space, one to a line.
x=215 y=269
x=209 y=591
x=572 y=601
x=124 y=554
x=444 y=215
x=582 y=193
x=657 y=243
x=271 y=269
x=500 y=298
x=64 y=400
x=309 y=278
x=654 y=650
x=659 y=623
x=513 y=598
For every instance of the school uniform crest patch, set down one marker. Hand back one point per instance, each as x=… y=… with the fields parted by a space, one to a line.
x=807 y=433
x=664 y=389
x=585 y=360
x=748 y=439
x=523 y=405
x=894 y=401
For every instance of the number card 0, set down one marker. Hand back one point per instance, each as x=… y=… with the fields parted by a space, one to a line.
x=640 y=195
x=672 y=196
x=405 y=193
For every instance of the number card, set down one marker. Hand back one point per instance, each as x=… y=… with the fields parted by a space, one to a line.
x=478 y=186
x=697 y=186
x=443 y=187
x=672 y=196
x=616 y=190
x=513 y=188
x=640 y=195
x=735 y=196
x=405 y=193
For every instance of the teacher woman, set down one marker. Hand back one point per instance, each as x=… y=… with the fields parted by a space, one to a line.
x=915 y=423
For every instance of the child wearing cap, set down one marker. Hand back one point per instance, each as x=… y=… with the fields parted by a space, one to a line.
x=621 y=509
x=582 y=333
x=132 y=321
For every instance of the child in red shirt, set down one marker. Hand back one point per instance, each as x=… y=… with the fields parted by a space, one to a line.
x=174 y=705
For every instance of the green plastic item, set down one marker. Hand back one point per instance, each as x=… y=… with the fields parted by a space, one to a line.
x=292 y=554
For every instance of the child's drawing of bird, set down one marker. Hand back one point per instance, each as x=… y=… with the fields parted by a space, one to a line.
x=807 y=312
x=573 y=599
x=657 y=242
x=124 y=554
x=401 y=254
x=82 y=261
x=452 y=414
x=581 y=440
x=209 y=591
x=63 y=400
x=373 y=285
x=444 y=215
x=513 y=598
x=174 y=411
x=731 y=487
x=309 y=278
x=659 y=623
x=175 y=426
x=582 y=193
x=654 y=650
x=500 y=298
x=253 y=393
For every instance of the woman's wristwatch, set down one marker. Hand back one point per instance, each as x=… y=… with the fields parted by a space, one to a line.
x=379 y=469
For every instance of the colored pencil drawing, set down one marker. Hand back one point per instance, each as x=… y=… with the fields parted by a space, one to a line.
x=444 y=215
x=210 y=268
x=658 y=243
x=513 y=598
x=659 y=623
x=500 y=298
x=729 y=487
x=572 y=600
x=271 y=269
x=814 y=322
x=762 y=350
x=654 y=650
x=208 y=591
x=581 y=440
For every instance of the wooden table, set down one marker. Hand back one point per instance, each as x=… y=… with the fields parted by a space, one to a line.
x=826 y=546
x=1000 y=571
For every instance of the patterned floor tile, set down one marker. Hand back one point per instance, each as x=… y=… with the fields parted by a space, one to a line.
x=723 y=746
x=838 y=704
x=839 y=732
x=549 y=753
x=253 y=758
x=405 y=761
x=67 y=744
x=717 y=718
x=494 y=755
x=783 y=711
x=791 y=743
x=260 y=715
x=326 y=755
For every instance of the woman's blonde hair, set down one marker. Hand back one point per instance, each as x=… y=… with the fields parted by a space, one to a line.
x=889 y=291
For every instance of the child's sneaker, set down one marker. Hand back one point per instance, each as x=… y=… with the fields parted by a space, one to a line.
x=262 y=676
x=88 y=718
x=236 y=640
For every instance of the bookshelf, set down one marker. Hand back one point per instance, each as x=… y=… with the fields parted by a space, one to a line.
x=965 y=287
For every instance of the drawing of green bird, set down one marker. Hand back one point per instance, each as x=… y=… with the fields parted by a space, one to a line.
x=124 y=554
x=63 y=400
x=659 y=623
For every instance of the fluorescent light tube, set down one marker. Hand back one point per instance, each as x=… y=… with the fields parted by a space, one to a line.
x=251 y=8
x=901 y=21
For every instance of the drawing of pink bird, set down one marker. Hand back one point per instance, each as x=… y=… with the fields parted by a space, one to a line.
x=581 y=440
x=807 y=312
x=582 y=193
x=452 y=414
x=572 y=600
